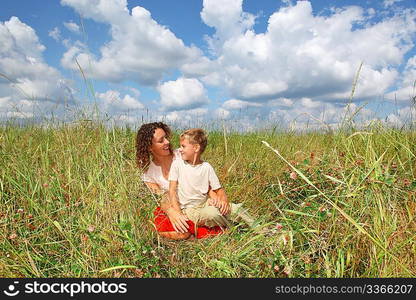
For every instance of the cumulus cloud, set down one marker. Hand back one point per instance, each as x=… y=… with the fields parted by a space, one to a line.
x=388 y=3
x=406 y=91
x=302 y=54
x=73 y=27
x=228 y=18
x=55 y=34
x=281 y=102
x=111 y=101
x=185 y=115
x=405 y=115
x=313 y=114
x=26 y=79
x=184 y=119
x=183 y=93
x=140 y=49
x=222 y=113
x=135 y=91
x=239 y=104
x=304 y=61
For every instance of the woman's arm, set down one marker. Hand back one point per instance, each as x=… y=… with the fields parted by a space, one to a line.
x=154 y=188
x=165 y=204
x=174 y=212
x=173 y=195
x=166 y=207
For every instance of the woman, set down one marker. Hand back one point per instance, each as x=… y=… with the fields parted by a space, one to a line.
x=154 y=155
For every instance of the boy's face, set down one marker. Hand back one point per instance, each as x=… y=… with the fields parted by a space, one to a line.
x=188 y=150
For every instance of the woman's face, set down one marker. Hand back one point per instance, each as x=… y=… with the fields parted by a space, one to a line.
x=160 y=143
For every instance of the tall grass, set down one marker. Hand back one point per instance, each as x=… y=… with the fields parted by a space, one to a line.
x=340 y=204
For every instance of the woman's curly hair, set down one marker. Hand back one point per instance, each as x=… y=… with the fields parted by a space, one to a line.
x=144 y=142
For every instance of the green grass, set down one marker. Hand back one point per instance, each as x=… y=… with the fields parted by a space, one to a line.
x=72 y=205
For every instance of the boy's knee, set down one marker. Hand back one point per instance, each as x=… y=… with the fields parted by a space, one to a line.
x=211 y=216
x=210 y=213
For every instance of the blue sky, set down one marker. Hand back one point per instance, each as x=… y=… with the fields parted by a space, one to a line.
x=283 y=62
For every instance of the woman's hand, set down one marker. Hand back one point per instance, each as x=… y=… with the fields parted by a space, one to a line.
x=178 y=220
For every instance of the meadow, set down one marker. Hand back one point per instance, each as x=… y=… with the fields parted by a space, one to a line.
x=335 y=204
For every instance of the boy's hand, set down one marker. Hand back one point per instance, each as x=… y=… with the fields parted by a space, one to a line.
x=221 y=203
x=178 y=220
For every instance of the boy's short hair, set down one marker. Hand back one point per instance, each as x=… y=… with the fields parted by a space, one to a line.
x=196 y=136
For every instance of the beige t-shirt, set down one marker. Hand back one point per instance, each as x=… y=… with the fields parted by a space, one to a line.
x=193 y=182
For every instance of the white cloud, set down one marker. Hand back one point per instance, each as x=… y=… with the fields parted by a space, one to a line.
x=19 y=115
x=304 y=61
x=309 y=103
x=282 y=102
x=302 y=54
x=73 y=27
x=227 y=17
x=187 y=114
x=111 y=101
x=388 y=3
x=28 y=79
x=55 y=34
x=185 y=118
x=222 y=113
x=183 y=93
x=239 y=104
x=112 y=11
x=308 y=114
x=16 y=35
x=140 y=48
x=205 y=69
x=406 y=90
x=135 y=92
x=405 y=115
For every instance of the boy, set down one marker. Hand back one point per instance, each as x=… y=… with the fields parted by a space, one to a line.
x=190 y=179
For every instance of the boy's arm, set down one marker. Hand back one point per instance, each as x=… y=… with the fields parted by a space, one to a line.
x=176 y=217
x=220 y=199
x=212 y=194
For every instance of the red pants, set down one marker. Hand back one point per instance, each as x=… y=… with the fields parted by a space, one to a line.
x=163 y=223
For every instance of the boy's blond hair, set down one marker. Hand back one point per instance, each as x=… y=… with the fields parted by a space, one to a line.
x=196 y=136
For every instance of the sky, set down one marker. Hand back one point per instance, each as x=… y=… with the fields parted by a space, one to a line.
x=252 y=62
